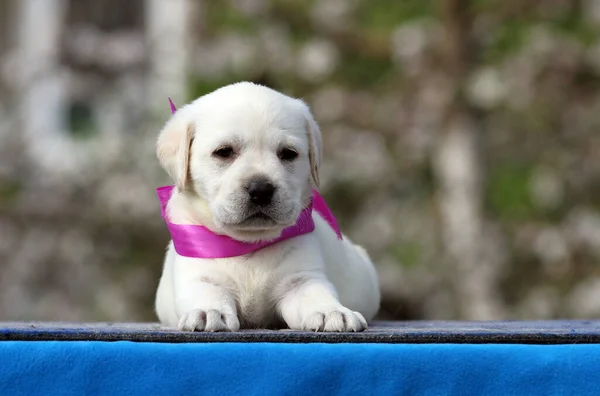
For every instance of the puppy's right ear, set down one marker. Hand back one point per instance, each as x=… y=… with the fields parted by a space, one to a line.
x=173 y=148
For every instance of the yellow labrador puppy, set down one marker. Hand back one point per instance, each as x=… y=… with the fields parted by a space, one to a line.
x=247 y=250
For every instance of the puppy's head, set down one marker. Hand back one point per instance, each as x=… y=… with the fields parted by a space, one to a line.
x=248 y=153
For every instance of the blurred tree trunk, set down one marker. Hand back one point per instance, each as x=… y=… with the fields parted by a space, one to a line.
x=42 y=83
x=458 y=169
x=168 y=25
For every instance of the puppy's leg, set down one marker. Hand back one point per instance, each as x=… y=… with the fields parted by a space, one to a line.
x=206 y=306
x=310 y=303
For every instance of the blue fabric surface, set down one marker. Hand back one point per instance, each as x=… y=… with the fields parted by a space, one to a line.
x=127 y=368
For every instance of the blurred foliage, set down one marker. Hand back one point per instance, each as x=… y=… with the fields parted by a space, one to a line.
x=509 y=194
x=376 y=77
x=380 y=18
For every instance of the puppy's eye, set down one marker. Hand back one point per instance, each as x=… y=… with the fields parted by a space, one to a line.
x=223 y=152
x=287 y=154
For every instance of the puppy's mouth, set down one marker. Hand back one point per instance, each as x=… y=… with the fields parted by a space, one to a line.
x=259 y=225
x=257 y=222
x=259 y=217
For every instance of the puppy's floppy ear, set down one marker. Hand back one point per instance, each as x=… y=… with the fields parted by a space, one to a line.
x=315 y=145
x=173 y=148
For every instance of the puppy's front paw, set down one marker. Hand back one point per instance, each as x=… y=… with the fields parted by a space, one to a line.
x=208 y=320
x=337 y=319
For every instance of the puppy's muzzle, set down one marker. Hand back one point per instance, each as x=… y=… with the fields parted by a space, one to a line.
x=261 y=191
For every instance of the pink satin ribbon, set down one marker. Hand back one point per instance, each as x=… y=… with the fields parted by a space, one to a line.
x=200 y=242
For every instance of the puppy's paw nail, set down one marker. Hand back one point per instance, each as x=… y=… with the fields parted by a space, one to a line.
x=335 y=320
x=194 y=320
x=220 y=321
x=208 y=320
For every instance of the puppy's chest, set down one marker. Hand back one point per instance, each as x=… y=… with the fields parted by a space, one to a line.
x=254 y=289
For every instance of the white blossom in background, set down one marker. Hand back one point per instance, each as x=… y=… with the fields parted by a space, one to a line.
x=410 y=42
x=316 y=60
x=486 y=88
x=333 y=15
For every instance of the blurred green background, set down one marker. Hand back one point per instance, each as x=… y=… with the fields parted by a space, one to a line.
x=461 y=144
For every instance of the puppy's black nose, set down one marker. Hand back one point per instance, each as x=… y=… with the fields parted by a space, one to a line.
x=261 y=191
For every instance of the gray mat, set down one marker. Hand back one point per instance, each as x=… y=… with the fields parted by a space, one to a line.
x=518 y=332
